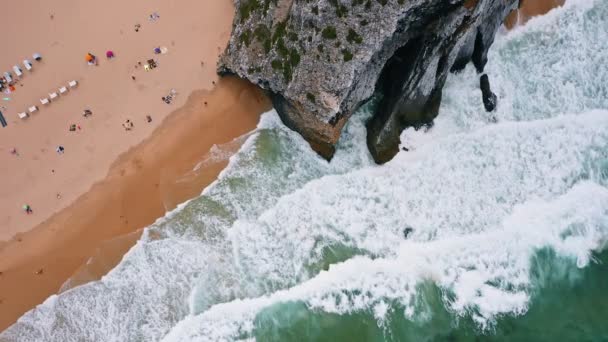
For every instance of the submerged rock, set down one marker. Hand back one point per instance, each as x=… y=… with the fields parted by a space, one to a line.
x=321 y=59
x=407 y=231
x=488 y=97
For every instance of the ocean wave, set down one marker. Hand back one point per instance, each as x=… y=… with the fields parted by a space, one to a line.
x=282 y=232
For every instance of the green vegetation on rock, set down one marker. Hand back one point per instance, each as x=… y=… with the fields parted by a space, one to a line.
x=347 y=55
x=248 y=7
x=310 y=97
x=353 y=37
x=329 y=33
x=341 y=10
x=246 y=37
x=262 y=35
x=294 y=57
x=279 y=31
x=276 y=64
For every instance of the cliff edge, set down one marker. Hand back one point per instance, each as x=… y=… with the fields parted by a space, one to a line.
x=321 y=59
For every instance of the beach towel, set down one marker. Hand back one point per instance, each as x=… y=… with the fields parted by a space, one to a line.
x=2 y=120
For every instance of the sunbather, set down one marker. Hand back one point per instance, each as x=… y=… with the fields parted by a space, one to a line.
x=28 y=210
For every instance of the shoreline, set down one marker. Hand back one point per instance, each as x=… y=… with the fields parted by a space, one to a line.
x=139 y=188
x=81 y=241
x=529 y=9
x=83 y=197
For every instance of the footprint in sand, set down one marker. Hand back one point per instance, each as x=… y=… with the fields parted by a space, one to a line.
x=138 y=163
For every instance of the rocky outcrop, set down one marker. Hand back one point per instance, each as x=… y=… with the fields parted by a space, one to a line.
x=321 y=59
x=487 y=96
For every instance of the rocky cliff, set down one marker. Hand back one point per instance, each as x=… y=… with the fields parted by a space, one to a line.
x=321 y=59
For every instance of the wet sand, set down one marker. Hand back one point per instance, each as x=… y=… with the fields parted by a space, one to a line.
x=109 y=182
x=529 y=9
x=140 y=187
x=84 y=234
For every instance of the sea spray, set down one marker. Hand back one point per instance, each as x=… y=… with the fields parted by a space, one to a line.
x=285 y=246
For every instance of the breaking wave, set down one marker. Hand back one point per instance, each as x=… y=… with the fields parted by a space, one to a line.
x=482 y=228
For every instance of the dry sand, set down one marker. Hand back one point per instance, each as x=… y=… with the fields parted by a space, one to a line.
x=129 y=192
x=154 y=175
x=63 y=31
x=141 y=186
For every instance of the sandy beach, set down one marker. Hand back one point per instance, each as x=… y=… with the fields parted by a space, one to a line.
x=91 y=202
x=529 y=9
x=150 y=179
x=109 y=182
x=64 y=32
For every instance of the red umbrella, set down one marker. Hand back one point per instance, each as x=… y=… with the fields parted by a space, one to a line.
x=110 y=54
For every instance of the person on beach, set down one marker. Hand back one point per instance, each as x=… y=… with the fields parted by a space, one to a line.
x=91 y=59
x=60 y=149
x=14 y=152
x=28 y=210
x=128 y=125
x=154 y=16
x=87 y=113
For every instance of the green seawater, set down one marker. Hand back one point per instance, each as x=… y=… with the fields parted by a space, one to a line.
x=567 y=304
x=288 y=247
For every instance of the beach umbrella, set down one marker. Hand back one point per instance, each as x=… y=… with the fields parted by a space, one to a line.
x=88 y=57
x=110 y=54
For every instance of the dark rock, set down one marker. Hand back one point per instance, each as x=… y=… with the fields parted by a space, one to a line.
x=407 y=231
x=321 y=59
x=489 y=98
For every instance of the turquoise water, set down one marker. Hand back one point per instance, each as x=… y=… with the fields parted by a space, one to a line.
x=568 y=304
x=509 y=211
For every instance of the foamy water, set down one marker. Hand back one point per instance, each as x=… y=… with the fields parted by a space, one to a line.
x=284 y=238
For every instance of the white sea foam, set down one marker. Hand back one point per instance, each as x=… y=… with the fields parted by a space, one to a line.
x=487 y=272
x=555 y=64
x=481 y=198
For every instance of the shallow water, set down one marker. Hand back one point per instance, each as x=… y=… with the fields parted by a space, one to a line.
x=509 y=211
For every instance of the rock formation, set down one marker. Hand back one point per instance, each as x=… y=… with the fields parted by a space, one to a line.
x=321 y=59
x=488 y=97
